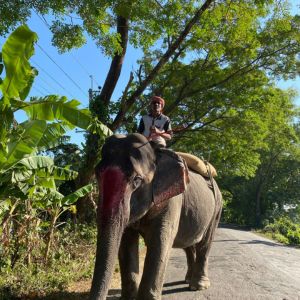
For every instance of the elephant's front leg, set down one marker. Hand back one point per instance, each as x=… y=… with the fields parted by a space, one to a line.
x=159 y=241
x=129 y=263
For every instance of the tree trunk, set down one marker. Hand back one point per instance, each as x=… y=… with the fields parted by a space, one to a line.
x=99 y=108
x=258 y=206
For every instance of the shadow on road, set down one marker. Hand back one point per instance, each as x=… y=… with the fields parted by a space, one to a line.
x=174 y=283
x=62 y=295
x=229 y=241
x=234 y=226
x=114 y=294
x=264 y=243
x=175 y=290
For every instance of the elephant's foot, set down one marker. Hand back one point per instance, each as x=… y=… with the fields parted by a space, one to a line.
x=188 y=277
x=202 y=284
x=149 y=297
x=128 y=297
x=130 y=293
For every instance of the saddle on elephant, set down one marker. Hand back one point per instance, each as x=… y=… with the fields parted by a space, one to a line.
x=204 y=168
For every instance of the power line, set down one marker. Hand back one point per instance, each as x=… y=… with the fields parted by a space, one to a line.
x=45 y=89
x=49 y=85
x=85 y=70
x=39 y=91
x=67 y=75
x=42 y=18
x=39 y=67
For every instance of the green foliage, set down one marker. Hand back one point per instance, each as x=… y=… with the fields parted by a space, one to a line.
x=49 y=119
x=274 y=188
x=284 y=230
x=31 y=207
x=72 y=260
x=67 y=36
x=219 y=80
x=19 y=74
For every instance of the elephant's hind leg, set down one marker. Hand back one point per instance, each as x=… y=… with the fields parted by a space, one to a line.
x=129 y=264
x=191 y=258
x=200 y=280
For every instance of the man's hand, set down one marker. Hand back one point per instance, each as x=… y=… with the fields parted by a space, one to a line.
x=156 y=132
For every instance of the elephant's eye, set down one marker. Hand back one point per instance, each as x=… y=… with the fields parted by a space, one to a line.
x=137 y=180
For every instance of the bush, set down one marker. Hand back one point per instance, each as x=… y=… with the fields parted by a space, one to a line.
x=72 y=259
x=284 y=231
x=294 y=236
x=280 y=238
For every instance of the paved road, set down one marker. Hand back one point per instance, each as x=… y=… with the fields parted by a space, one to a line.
x=243 y=266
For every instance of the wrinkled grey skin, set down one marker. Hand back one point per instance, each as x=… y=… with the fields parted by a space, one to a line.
x=126 y=210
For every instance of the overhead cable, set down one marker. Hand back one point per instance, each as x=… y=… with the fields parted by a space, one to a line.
x=38 y=90
x=49 y=85
x=39 y=67
x=85 y=70
x=67 y=75
x=45 y=89
x=42 y=18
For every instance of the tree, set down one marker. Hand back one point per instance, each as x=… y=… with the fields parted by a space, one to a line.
x=272 y=190
x=195 y=55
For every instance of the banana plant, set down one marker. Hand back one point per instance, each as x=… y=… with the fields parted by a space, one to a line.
x=26 y=176
x=56 y=204
x=49 y=118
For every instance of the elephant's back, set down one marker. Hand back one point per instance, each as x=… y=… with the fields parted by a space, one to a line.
x=198 y=209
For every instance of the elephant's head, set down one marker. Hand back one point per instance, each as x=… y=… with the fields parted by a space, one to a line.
x=133 y=178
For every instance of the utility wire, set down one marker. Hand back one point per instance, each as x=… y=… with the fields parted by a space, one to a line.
x=62 y=69
x=45 y=89
x=39 y=67
x=49 y=85
x=38 y=90
x=83 y=68
x=42 y=18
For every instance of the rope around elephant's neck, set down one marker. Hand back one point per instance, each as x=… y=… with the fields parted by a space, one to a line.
x=143 y=144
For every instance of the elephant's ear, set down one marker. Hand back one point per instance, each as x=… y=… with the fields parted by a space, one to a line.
x=170 y=178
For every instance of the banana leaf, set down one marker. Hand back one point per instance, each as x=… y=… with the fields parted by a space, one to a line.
x=24 y=144
x=52 y=108
x=72 y=198
x=16 y=51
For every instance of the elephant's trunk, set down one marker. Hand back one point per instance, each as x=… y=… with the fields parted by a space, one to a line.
x=113 y=215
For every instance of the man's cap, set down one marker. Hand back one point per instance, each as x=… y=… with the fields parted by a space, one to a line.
x=158 y=99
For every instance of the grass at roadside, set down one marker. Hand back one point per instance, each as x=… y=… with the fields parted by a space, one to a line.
x=283 y=230
x=66 y=277
x=72 y=259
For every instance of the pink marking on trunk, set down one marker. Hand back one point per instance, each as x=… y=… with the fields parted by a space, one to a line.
x=112 y=187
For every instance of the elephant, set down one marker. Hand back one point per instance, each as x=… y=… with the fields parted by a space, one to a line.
x=148 y=191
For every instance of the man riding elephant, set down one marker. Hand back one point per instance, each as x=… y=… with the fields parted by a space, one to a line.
x=156 y=126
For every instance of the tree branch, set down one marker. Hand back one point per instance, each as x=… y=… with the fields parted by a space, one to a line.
x=125 y=93
x=241 y=71
x=164 y=59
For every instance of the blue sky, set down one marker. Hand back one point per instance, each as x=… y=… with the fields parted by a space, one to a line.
x=69 y=74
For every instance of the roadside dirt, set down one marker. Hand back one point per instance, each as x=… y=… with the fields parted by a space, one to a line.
x=80 y=290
